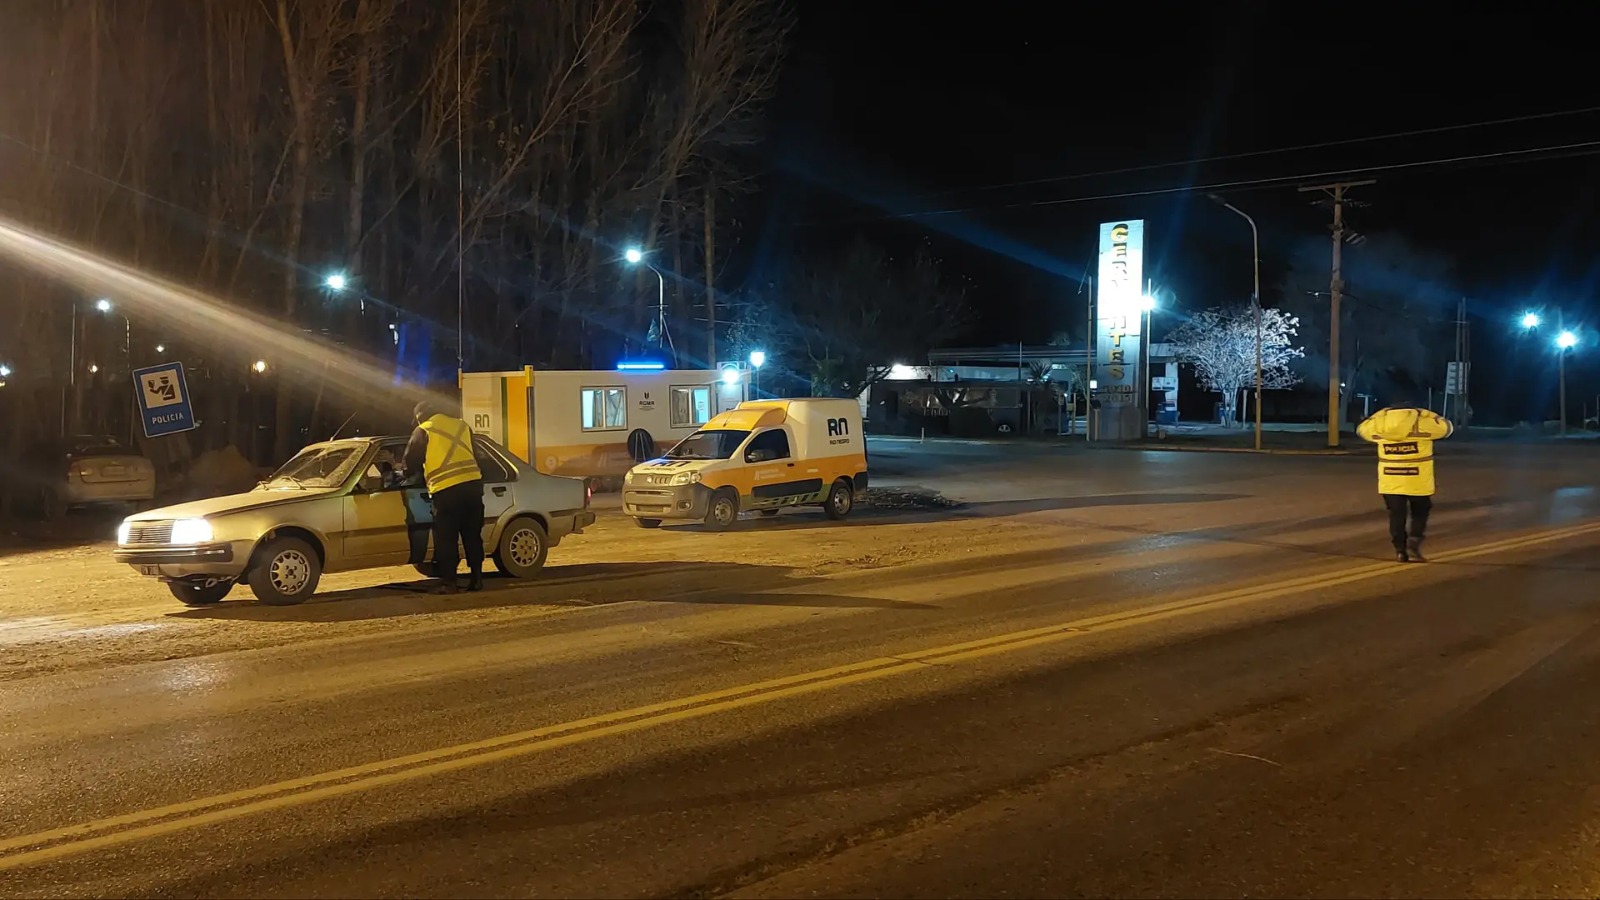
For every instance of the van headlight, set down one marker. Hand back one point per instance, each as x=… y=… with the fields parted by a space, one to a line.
x=191 y=531
x=683 y=478
x=122 y=532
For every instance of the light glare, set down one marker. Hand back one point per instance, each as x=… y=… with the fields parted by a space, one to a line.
x=633 y=255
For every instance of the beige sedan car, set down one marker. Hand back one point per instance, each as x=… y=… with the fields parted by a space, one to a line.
x=337 y=507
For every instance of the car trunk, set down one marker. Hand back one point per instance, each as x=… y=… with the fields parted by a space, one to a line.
x=109 y=469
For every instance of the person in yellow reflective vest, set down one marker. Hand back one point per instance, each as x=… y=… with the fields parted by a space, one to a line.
x=441 y=448
x=1405 y=437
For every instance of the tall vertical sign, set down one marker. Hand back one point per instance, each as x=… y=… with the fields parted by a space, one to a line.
x=1117 y=340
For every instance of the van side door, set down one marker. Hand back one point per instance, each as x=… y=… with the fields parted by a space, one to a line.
x=776 y=477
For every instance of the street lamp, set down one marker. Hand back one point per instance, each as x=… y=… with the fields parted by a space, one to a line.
x=259 y=366
x=161 y=348
x=635 y=257
x=1530 y=320
x=5 y=371
x=336 y=282
x=103 y=305
x=1255 y=303
x=758 y=358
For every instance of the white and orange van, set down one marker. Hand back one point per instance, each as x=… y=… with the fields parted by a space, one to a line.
x=762 y=455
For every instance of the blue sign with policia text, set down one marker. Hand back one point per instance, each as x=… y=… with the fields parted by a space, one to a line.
x=163 y=395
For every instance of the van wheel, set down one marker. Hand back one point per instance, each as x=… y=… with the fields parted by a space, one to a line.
x=647 y=523
x=523 y=548
x=286 y=572
x=841 y=499
x=724 y=511
x=199 y=594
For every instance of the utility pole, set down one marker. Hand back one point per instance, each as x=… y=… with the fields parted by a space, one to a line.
x=1335 y=291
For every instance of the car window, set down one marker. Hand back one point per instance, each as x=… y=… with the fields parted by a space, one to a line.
x=768 y=446
x=319 y=467
x=494 y=471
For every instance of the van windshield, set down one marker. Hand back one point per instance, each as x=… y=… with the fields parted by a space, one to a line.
x=708 y=445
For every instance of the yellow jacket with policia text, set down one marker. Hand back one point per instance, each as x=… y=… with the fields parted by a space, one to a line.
x=1405 y=448
x=448 y=459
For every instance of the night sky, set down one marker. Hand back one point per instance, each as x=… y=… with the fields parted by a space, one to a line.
x=890 y=110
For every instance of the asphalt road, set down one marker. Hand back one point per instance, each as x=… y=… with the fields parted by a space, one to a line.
x=1105 y=674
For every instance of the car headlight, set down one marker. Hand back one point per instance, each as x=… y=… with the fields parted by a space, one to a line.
x=686 y=478
x=628 y=478
x=122 y=532
x=191 y=531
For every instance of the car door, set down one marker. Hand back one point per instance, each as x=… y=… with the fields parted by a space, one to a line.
x=499 y=493
x=379 y=514
x=775 y=476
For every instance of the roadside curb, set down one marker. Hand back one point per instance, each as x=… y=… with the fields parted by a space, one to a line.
x=1167 y=448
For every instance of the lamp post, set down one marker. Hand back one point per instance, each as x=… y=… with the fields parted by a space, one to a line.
x=1147 y=305
x=1565 y=341
x=635 y=257
x=1255 y=301
x=758 y=358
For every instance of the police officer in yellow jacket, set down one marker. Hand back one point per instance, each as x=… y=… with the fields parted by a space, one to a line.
x=1405 y=439
x=441 y=448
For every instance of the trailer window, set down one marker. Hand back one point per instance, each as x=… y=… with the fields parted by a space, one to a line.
x=691 y=406
x=605 y=409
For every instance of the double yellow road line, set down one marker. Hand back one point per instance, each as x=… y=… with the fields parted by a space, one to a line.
x=60 y=843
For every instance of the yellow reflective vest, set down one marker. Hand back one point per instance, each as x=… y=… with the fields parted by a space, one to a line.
x=449 y=461
x=1405 y=448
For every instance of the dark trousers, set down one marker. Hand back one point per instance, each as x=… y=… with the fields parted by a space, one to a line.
x=458 y=515
x=1398 y=505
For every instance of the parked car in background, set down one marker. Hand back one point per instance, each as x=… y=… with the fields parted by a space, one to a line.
x=60 y=474
x=339 y=506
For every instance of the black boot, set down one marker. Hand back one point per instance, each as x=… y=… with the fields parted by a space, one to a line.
x=1414 y=548
x=447 y=586
x=475 y=583
x=1400 y=555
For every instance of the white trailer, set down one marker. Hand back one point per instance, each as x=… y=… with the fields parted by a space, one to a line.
x=596 y=424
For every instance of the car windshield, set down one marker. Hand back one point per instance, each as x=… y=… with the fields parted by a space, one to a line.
x=708 y=445
x=319 y=466
x=97 y=446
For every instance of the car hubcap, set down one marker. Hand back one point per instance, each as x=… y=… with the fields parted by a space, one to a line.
x=525 y=547
x=724 y=512
x=841 y=502
x=290 y=571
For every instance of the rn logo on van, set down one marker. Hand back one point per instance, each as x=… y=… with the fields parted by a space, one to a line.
x=838 y=427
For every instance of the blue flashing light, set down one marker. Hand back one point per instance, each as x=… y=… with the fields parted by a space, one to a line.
x=640 y=367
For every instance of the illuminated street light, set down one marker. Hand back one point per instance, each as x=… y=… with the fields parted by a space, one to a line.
x=93 y=369
x=730 y=375
x=5 y=371
x=260 y=366
x=1147 y=303
x=1566 y=340
x=336 y=281
x=1531 y=320
x=635 y=257
x=758 y=358
x=103 y=305
x=161 y=348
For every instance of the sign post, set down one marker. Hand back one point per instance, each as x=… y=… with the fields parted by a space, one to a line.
x=1118 y=338
x=164 y=403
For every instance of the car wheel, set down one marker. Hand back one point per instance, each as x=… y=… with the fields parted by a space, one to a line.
x=724 y=510
x=522 y=549
x=647 y=523
x=286 y=572
x=191 y=594
x=841 y=499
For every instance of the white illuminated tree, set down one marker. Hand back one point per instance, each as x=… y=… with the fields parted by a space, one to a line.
x=1221 y=346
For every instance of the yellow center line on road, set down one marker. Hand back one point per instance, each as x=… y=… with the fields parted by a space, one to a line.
x=60 y=843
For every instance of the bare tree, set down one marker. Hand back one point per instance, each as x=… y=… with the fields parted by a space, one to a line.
x=1221 y=346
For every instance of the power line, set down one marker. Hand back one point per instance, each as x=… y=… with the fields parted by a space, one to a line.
x=1253 y=154
x=1582 y=148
